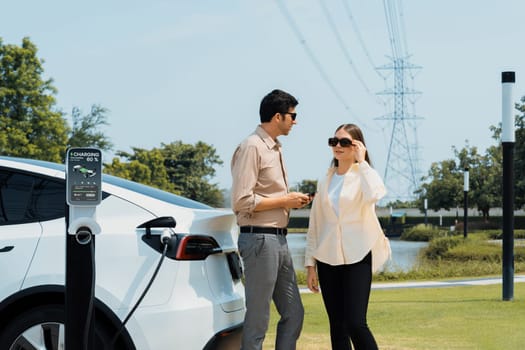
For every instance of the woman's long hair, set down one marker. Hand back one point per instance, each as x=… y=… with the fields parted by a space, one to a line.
x=356 y=134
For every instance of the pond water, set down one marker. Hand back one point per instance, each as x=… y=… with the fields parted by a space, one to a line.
x=404 y=253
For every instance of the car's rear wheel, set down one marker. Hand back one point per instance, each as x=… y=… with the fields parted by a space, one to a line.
x=42 y=327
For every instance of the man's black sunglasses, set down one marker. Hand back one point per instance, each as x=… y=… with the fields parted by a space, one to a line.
x=344 y=142
x=293 y=115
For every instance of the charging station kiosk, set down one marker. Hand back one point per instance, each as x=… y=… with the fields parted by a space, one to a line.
x=83 y=195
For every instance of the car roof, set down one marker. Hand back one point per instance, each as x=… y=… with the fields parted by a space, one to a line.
x=115 y=181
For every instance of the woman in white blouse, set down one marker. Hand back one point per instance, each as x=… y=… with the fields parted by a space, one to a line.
x=345 y=242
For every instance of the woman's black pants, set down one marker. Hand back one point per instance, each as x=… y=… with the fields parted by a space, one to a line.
x=346 y=291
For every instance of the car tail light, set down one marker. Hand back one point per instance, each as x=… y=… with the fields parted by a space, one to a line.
x=196 y=247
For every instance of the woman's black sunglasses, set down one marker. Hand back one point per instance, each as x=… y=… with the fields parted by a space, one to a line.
x=344 y=142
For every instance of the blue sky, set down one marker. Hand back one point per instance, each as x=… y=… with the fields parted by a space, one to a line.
x=171 y=70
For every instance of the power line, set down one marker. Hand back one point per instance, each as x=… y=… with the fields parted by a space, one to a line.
x=402 y=29
x=343 y=48
x=358 y=33
x=314 y=59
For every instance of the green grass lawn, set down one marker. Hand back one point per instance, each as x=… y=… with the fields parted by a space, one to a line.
x=466 y=317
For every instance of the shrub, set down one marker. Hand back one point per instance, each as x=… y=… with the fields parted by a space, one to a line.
x=477 y=247
x=498 y=234
x=474 y=250
x=423 y=233
x=437 y=248
x=478 y=225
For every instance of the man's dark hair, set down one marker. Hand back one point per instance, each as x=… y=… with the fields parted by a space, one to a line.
x=277 y=101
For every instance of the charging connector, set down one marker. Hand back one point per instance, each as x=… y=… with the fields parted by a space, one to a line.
x=165 y=237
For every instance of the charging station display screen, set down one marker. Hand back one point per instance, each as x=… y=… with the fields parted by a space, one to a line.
x=83 y=176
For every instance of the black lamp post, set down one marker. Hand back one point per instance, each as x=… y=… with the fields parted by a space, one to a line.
x=465 y=202
x=507 y=143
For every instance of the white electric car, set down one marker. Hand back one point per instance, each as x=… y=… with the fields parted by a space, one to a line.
x=195 y=302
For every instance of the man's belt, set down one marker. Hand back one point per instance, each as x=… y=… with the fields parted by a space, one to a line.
x=261 y=229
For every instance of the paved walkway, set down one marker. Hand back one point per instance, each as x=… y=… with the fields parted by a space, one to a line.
x=433 y=284
x=451 y=283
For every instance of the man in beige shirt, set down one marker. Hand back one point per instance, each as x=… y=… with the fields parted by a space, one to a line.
x=262 y=203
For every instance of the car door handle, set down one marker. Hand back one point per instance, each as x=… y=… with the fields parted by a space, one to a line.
x=6 y=249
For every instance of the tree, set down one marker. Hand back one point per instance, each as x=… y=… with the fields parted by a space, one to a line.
x=485 y=173
x=443 y=183
x=443 y=186
x=307 y=186
x=519 y=157
x=176 y=167
x=85 y=133
x=143 y=166
x=403 y=204
x=190 y=168
x=30 y=126
x=519 y=153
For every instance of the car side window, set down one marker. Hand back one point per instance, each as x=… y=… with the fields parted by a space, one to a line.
x=28 y=198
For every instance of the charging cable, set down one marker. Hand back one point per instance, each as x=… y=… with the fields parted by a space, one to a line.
x=165 y=238
x=89 y=314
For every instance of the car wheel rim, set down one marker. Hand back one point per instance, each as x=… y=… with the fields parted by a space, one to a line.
x=48 y=336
